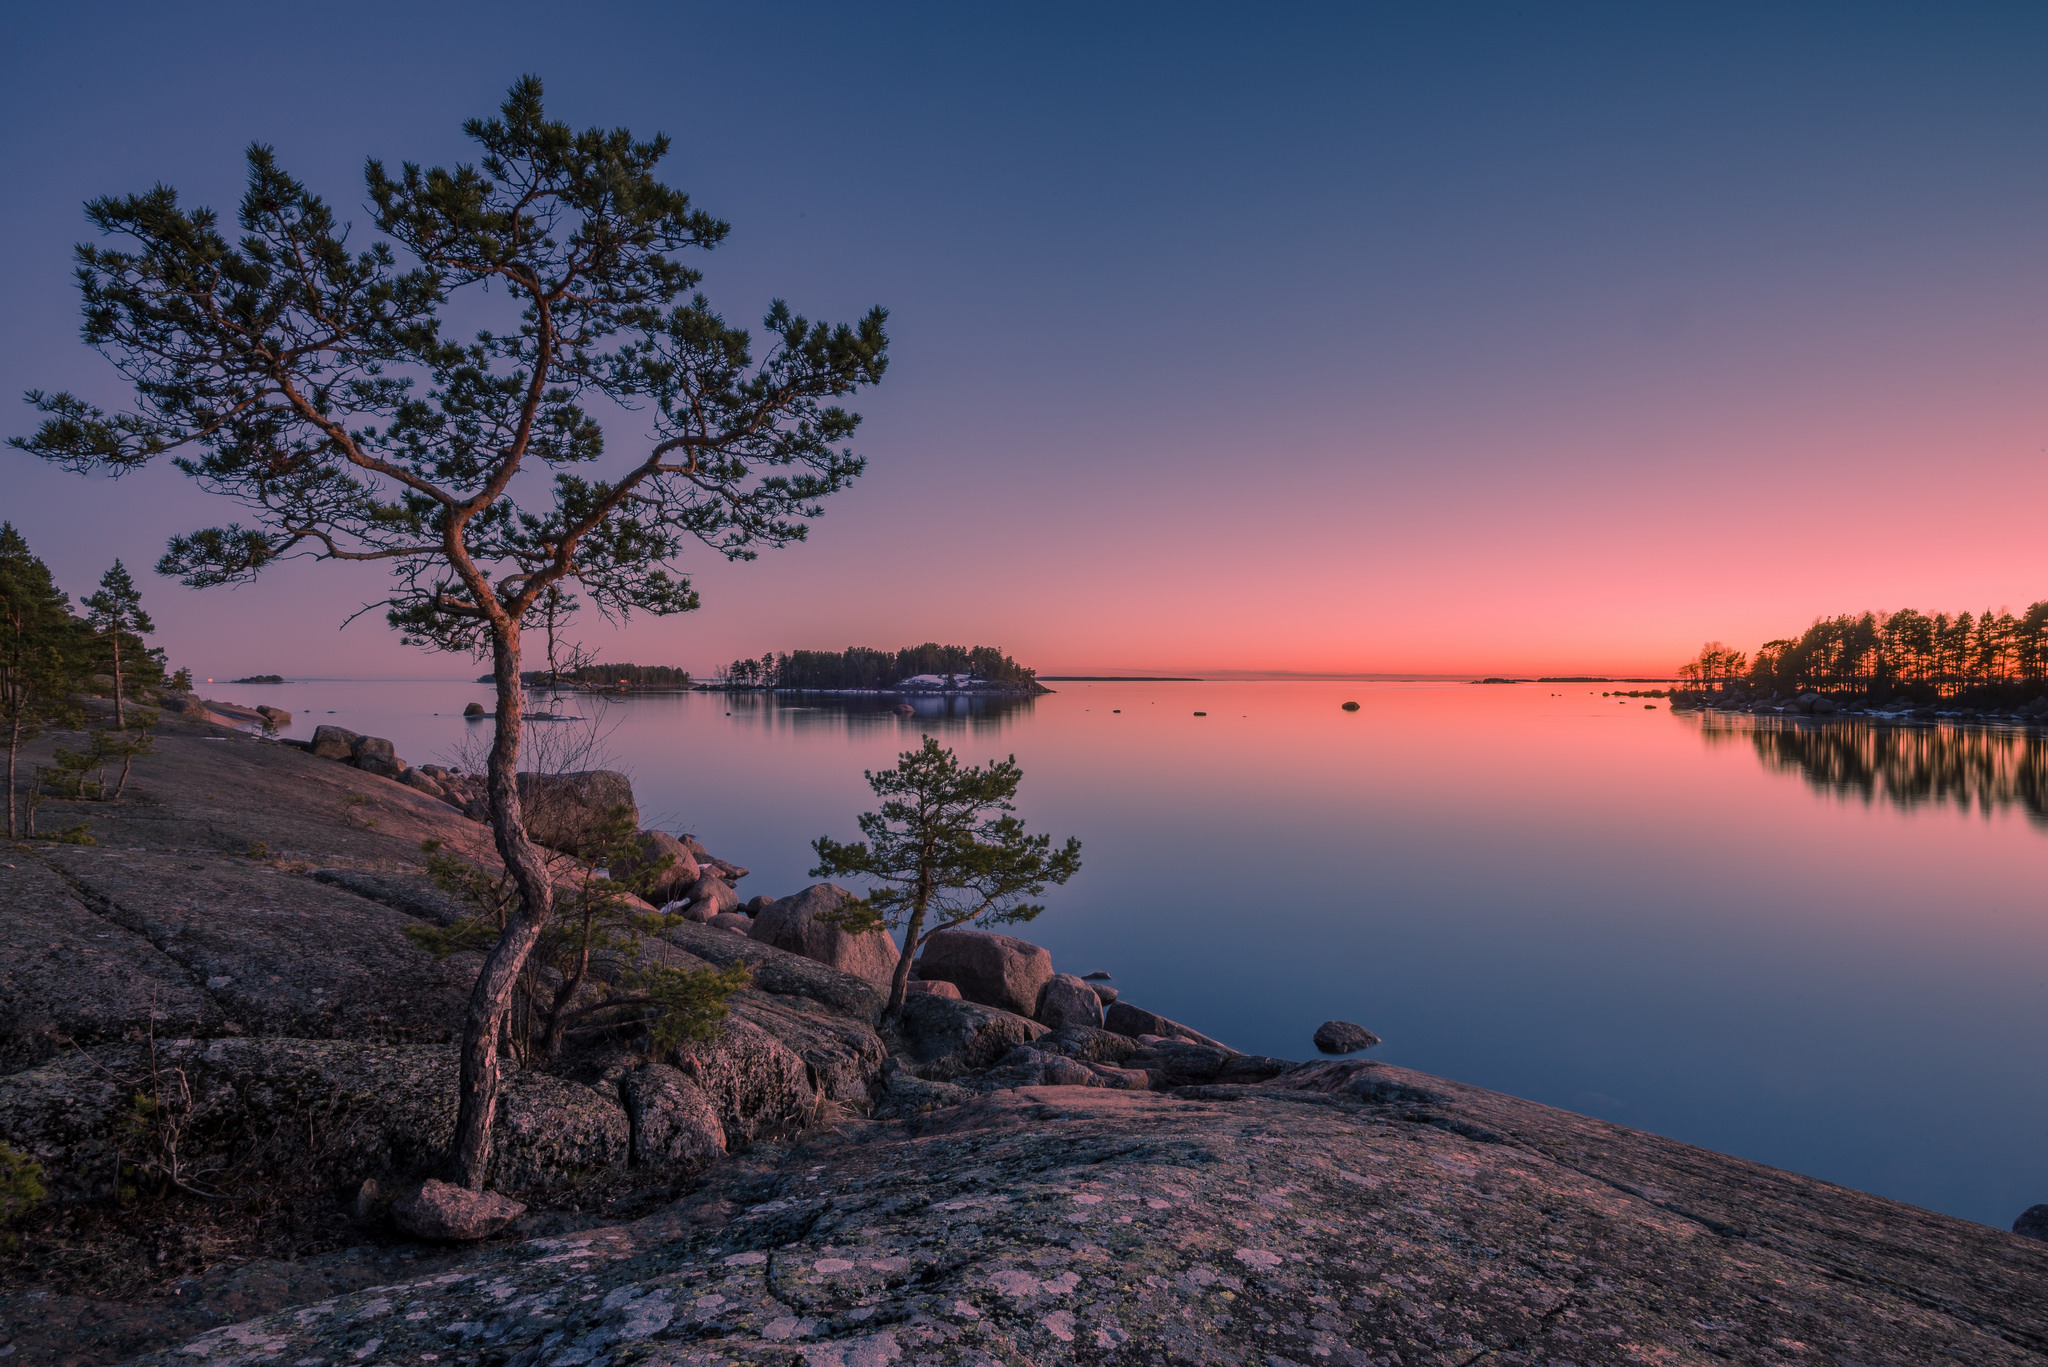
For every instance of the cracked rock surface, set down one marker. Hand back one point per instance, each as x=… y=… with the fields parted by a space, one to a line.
x=1252 y=1225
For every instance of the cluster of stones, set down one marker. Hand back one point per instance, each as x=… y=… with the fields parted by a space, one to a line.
x=376 y=755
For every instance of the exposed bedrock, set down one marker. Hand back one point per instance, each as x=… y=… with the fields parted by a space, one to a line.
x=1084 y=1225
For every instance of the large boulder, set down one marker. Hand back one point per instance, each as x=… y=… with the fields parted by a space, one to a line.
x=793 y=923
x=366 y=746
x=675 y=1123
x=844 y=1056
x=650 y=849
x=995 y=970
x=761 y=1087
x=1066 y=1000
x=451 y=1214
x=334 y=742
x=1126 y=1019
x=553 y=1133
x=383 y=766
x=2032 y=1223
x=568 y=812
x=946 y=1038
x=711 y=896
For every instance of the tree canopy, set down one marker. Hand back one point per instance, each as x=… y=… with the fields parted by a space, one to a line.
x=945 y=852
x=319 y=387
x=605 y=420
x=1886 y=652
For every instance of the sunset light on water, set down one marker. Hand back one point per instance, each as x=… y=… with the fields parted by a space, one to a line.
x=816 y=686
x=1536 y=888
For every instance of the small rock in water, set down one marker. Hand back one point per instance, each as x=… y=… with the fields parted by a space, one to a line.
x=1351 y=707
x=1342 y=1037
x=2032 y=1224
x=451 y=1214
x=475 y=709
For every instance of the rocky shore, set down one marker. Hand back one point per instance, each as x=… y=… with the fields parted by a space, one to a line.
x=2033 y=712
x=1017 y=1166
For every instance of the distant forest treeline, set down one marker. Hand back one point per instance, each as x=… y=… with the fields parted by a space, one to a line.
x=1886 y=653
x=861 y=667
x=632 y=676
x=609 y=676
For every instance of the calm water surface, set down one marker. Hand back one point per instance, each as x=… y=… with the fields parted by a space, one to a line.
x=1820 y=948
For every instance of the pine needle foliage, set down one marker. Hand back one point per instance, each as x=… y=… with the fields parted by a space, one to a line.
x=587 y=973
x=321 y=386
x=944 y=851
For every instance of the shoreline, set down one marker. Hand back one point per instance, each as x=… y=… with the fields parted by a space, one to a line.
x=853 y=1147
x=1898 y=712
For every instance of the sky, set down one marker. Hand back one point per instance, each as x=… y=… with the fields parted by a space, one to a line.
x=1348 y=339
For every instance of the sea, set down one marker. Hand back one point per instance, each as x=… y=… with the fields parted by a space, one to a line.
x=1821 y=945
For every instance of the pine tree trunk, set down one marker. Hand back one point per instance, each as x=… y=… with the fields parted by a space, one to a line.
x=900 y=980
x=13 y=749
x=120 y=718
x=490 y=1002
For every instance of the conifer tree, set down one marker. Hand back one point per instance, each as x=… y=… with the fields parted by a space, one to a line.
x=43 y=656
x=115 y=612
x=319 y=385
x=945 y=851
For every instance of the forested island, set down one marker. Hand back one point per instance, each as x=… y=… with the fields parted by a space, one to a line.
x=1990 y=663
x=622 y=678
x=929 y=668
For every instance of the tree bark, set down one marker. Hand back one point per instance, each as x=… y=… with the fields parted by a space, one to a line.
x=900 y=980
x=13 y=749
x=490 y=1001
x=120 y=719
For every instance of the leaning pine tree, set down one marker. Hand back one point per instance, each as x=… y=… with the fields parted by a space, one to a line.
x=945 y=851
x=319 y=387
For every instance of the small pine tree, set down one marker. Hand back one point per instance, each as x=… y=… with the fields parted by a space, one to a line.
x=115 y=612
x=44 y=655
x=585 y=974
x=944 y=853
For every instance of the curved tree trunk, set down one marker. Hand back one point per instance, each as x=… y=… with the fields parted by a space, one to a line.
x=899 y=981
x=490 y=1001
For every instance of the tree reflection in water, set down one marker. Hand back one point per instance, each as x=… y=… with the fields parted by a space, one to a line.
x=1987 y=769
x=867 y=713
